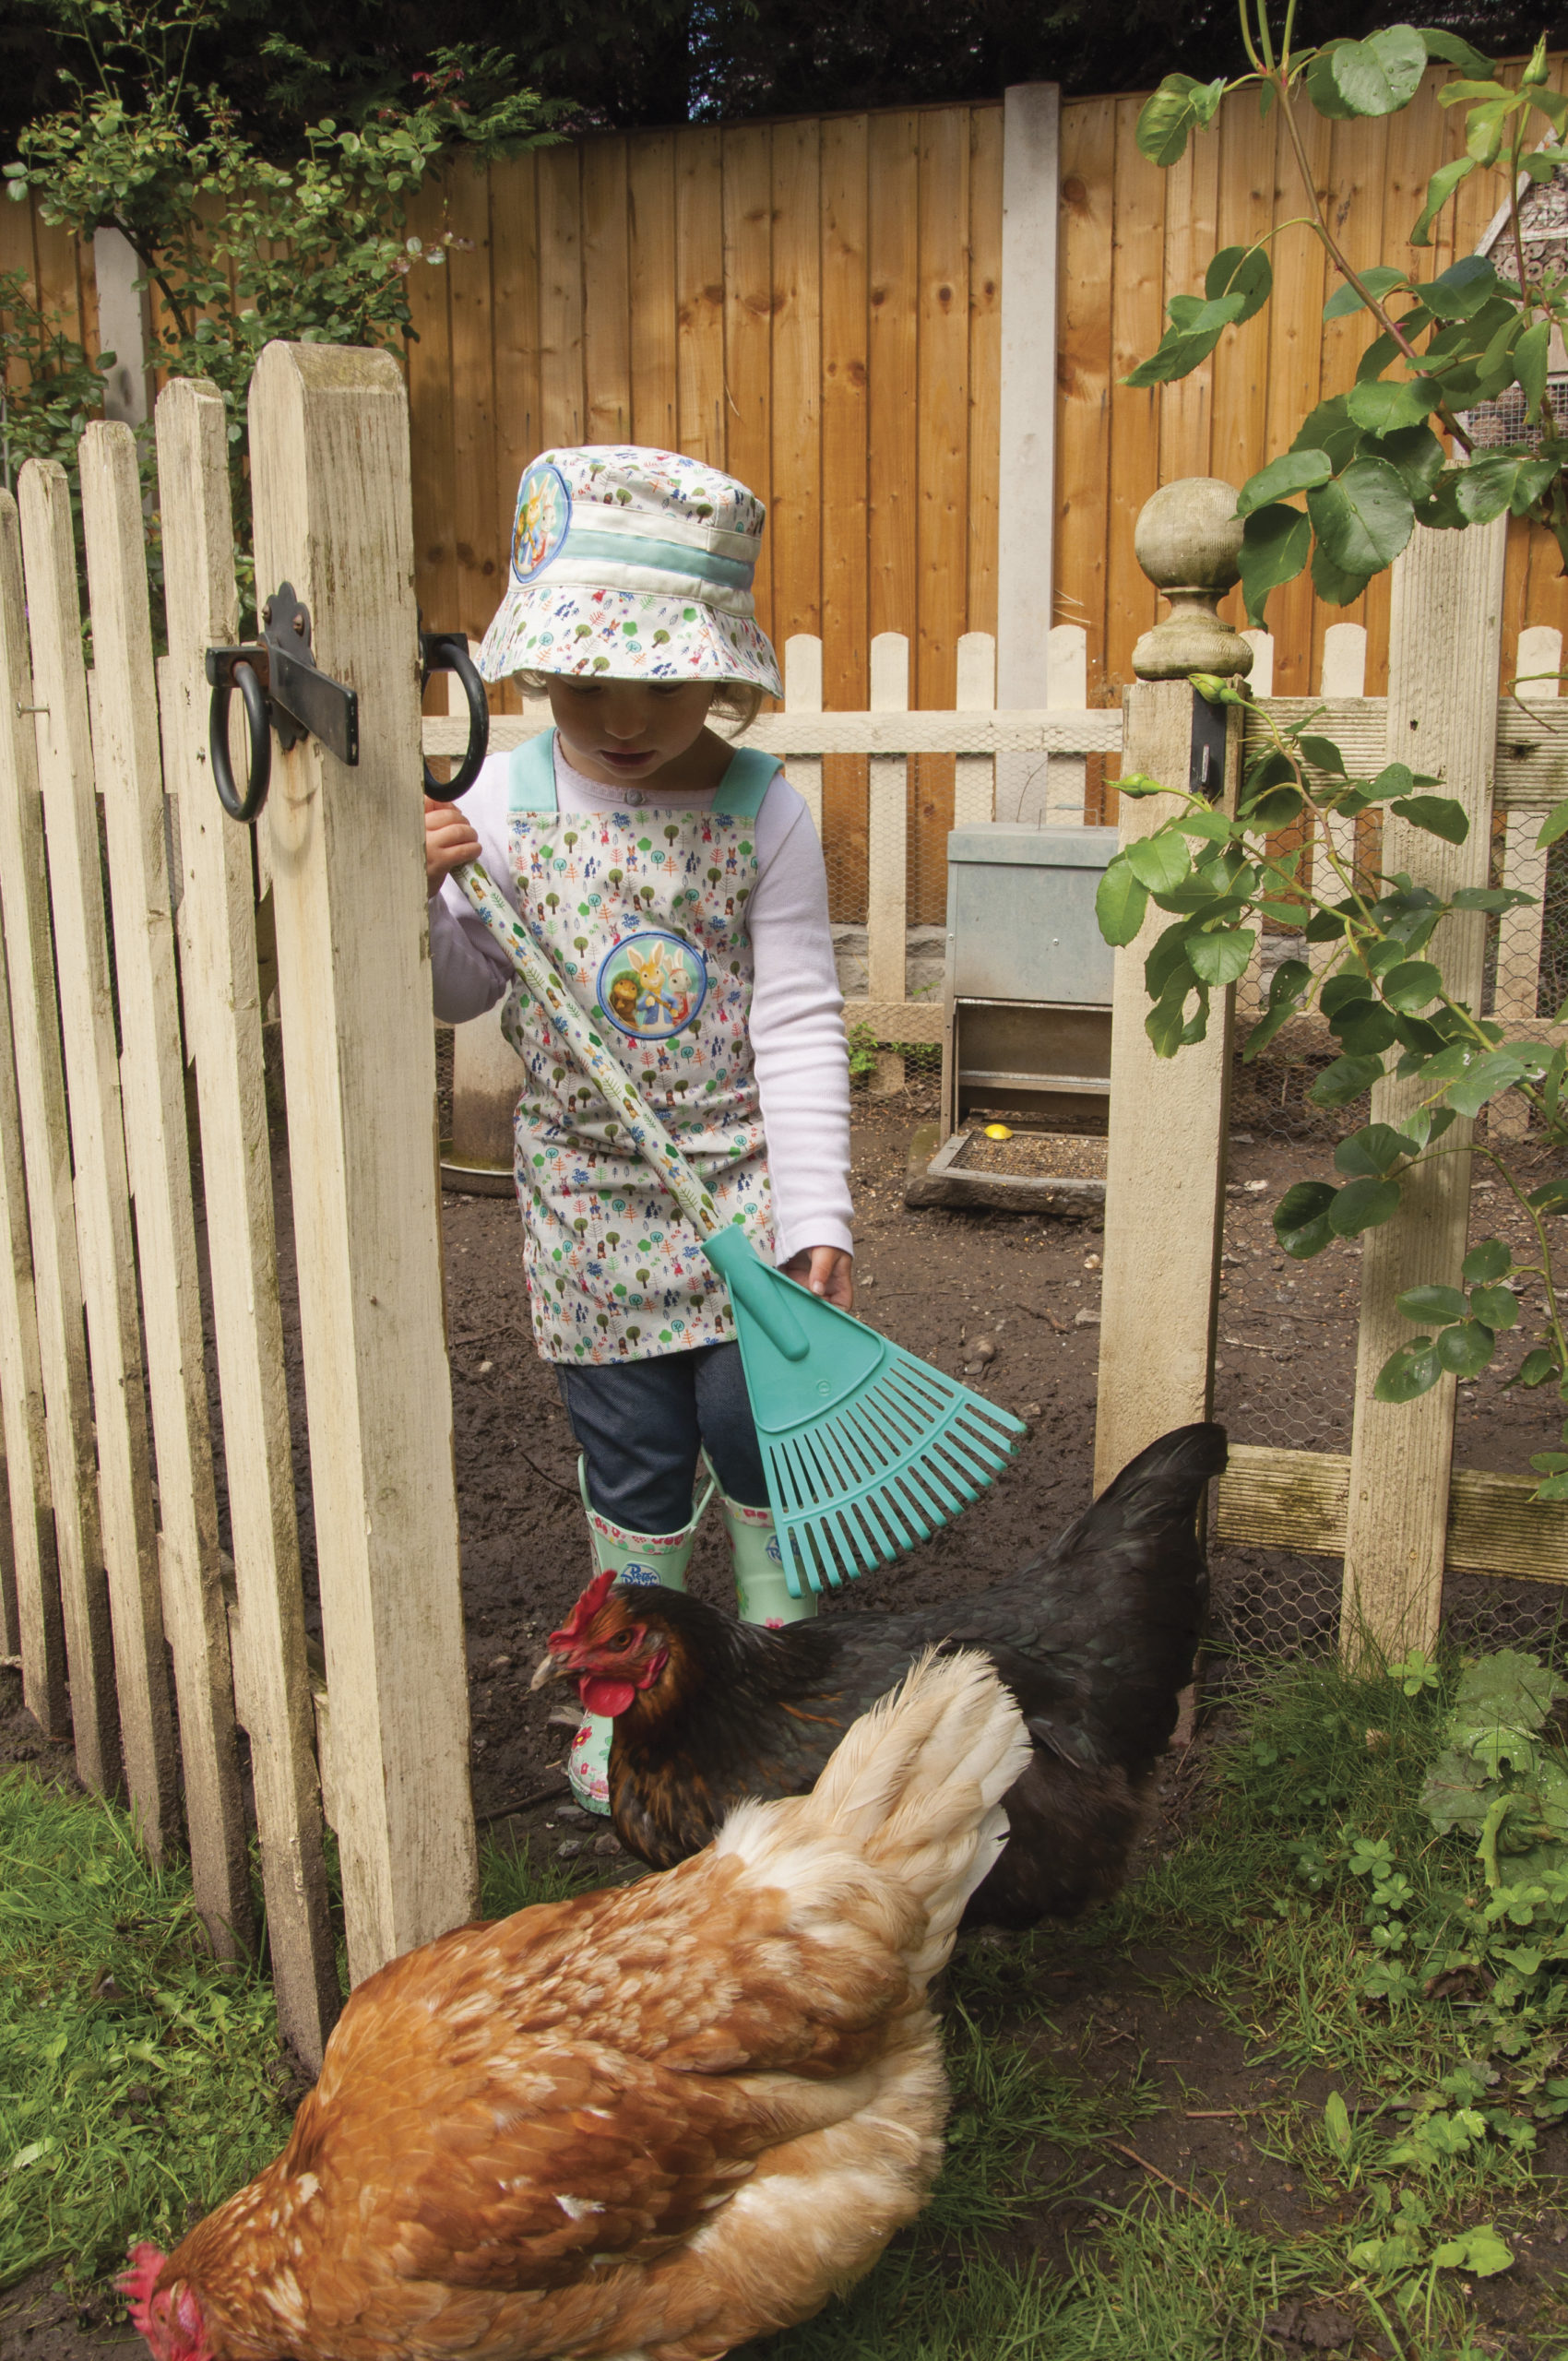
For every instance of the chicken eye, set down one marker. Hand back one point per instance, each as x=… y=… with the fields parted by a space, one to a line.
x=619 y=1640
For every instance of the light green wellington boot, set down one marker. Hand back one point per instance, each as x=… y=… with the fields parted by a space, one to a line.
x=762 y=1595
x=660 y=1558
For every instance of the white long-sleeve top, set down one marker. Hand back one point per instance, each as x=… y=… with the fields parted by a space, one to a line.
x=797 y=1033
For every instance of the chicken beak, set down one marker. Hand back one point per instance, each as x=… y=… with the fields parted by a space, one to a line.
x=549 y=1667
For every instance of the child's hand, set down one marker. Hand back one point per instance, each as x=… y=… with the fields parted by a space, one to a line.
x=827 y=1271
x=448 y=842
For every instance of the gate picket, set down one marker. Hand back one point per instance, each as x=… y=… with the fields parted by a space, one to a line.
x=46 y=1146
x=130 y=780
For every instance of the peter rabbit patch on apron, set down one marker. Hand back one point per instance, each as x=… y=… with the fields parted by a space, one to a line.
x=644 y=913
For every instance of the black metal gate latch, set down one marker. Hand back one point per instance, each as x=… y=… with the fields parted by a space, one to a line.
x=283 y=689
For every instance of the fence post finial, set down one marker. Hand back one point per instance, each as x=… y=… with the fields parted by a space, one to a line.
x=1188 y=540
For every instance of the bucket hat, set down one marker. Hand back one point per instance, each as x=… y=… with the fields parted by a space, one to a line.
x=631 y=564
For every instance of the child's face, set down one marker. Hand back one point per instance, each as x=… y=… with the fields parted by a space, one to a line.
x=614 y=730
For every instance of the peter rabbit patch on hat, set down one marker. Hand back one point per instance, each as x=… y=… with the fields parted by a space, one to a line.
x=631 y=564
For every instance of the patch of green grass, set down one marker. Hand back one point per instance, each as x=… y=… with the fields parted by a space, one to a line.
x=136 y=2076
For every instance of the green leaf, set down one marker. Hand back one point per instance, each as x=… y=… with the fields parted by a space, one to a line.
x=1453 y=51
x=1377 y=280
x=1322 y=755
x=1222 y=959
x=1530 y=362
x=1427 y=1304
x=1276 y=545
x=1416 y=454
x=1363 y=518
x=1375 y=1149
x=1435 y=815
x=1158 y=861
x=1386 y=404
x=1412 y=986
x=1458 y=292
x=1442 y=513
x=1165 y=1023
x=1241 y=270
x=1412 y=1370
x=1363 y=1205
x=1490 y=1075
x=1554 y=826
x=1330 y=428
x=1293 y=471
x=1300 y=1218
x=1382 y=73
x=1502 y=480
x=1490 y=1259
x=1167 y=960
x=1551 y=1197
x=1364 y=1027
x=1288 y=982
x=1337 y=586
x=1495 y=1308
x=1482 y=2251
x=1439 y=188
x=1119 y=902
x=1194 y=331
x=1168 y=119
x=1466 y=1350
x=1322 y=87
x=1344 y=1081
x=1536 y=1368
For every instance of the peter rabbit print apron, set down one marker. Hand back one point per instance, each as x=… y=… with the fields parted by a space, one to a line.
x=644 y=912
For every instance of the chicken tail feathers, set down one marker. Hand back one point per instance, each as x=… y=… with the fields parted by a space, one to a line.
x=915 y=1788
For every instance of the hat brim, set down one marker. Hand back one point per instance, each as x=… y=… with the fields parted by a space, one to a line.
x=624 y=635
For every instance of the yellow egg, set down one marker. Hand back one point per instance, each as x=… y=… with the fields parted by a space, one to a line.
x=997 y=1131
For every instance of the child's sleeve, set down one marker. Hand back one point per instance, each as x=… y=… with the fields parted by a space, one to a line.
x=469 y=970
x=797 y=1031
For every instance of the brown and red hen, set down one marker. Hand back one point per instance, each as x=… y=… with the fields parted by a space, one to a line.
x=1095 y=1640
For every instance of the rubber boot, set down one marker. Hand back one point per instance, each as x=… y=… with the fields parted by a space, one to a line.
x=762 y=1593
x=660 y=1558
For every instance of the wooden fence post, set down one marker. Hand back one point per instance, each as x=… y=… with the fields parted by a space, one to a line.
x=40 y=1634
x=1444 y=641
x=1066 y=689
x=223 y=1027
x=330 y=455
x=51 y=1221
x=887 y=851
x=1517 y=986
x=974 y=776
x=803 y=694
x=130 y=780
x=1165 y=1160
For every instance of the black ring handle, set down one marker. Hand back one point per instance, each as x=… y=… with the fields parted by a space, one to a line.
x=447 y=651
x=247 y=807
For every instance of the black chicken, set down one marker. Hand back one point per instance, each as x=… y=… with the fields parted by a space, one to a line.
x=1095 y=1640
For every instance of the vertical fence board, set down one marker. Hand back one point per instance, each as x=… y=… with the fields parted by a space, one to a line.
x=329 y=442
x=796 y=527
x=1191 y=213
x=887 y=826
x=803 y=694
x=943 y=380
x=607 y=317
x=130 y=779
x=41 y=1094
x=40 y=1634
x=428 y=289
x=748 y=329
x=846 y=629
x=479 y=516
x=1442 y=718
x=985 y=433
x=560 y=296
x=514 y=275
x=699 y=295
x=222 y=1012
x=102 y=1200
x=893 y=224
x=1295 y=353
x=974 y=776
x=650 y=198
x=1137 y=266
x=1089 y=147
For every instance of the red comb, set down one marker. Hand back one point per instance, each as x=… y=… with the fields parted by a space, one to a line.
x=587 y=1607
x=136 y=2282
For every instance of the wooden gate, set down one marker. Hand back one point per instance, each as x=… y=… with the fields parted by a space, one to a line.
x=132 y=1203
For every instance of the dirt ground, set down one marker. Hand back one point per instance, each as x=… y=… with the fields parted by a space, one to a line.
x=1012 y=1301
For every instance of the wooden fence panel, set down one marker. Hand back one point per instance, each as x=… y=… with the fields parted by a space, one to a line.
x=41 y=1094
x=98 y=1150
x=130 y=780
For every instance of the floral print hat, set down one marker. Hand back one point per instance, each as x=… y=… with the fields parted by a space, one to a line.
x=631 y=564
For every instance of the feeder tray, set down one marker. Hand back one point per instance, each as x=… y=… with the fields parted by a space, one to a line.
x=1033 y=1172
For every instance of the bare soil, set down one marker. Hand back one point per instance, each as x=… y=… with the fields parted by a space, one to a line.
x=1011 y=1302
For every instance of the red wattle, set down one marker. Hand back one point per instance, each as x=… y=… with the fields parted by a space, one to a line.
x=602 y=1696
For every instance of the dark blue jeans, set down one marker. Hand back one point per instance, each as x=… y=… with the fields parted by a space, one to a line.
x=641 y=1424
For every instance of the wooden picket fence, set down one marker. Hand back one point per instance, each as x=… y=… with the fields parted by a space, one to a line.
x=109 y=1412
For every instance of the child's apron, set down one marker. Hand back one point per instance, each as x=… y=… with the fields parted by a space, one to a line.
x=644 y=913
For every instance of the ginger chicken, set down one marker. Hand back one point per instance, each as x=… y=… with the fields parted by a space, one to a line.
x=1095 y=1640
x=648 y=2123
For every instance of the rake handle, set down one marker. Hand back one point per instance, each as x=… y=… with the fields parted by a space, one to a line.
x=643 y=1128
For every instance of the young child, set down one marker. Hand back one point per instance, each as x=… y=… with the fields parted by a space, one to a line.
x=679 y=886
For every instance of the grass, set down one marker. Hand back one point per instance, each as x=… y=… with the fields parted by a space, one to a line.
x=139 y=2083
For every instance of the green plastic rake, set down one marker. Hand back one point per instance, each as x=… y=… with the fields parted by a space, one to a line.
x=866 y=1449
